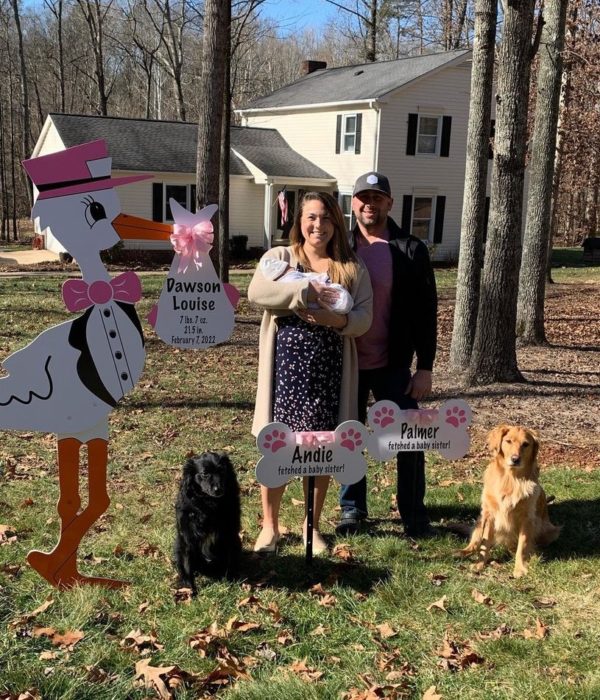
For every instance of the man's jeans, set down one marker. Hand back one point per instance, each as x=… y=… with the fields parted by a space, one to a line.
x=390 y=383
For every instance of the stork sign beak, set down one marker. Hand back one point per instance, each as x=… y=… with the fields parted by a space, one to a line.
x=135 y=228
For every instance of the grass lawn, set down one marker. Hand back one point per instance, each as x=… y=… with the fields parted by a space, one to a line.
x=357 y=625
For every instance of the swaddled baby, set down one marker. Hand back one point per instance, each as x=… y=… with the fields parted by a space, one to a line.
x=280 y=271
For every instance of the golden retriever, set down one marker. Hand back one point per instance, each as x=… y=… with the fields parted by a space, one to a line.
x=514 y=510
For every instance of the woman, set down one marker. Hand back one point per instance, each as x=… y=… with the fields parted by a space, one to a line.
x=308 y=374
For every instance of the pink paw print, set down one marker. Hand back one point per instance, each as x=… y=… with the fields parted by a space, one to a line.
x=275 y=441
x=351 y=439
x=455 y=416
x=383 y=417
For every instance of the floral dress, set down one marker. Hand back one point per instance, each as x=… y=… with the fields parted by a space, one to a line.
x=308 y=375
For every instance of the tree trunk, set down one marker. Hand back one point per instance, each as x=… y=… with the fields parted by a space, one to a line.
x=210 y=113
x=471 y=235
x=372 y=52
x=532 y=279
x=225 y=155
x=494 y=357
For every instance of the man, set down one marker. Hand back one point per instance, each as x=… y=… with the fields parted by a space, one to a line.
x=404 y=325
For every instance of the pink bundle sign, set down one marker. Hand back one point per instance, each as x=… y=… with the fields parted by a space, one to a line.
x=195 y=309
x=444 y=430
x=286 y=454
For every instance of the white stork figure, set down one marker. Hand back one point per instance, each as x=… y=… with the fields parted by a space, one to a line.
x=71 y=376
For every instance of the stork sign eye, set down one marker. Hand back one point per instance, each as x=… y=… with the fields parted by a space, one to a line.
x=94 y=211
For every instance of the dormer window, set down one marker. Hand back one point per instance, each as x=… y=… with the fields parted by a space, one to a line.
x=348 y=133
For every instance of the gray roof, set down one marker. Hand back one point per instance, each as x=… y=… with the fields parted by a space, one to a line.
x=359 y=82
x=168 y=146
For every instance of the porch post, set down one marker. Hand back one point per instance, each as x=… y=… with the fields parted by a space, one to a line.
x=268 y=214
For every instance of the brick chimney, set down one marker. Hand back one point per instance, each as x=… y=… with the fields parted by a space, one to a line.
x=312 y=66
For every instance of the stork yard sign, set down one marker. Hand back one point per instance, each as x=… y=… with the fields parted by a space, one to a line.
x=69 y=378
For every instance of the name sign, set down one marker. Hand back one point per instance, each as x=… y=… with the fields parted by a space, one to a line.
x=286 y=454
x=444 y=430
x=195 y=309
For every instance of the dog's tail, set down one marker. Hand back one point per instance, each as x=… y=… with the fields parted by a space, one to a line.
x=548 y=534
x=460 y=528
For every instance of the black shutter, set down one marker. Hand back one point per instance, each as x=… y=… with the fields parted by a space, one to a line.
x=411 y=138
x=193 y=199
x=358 y=133
x=445 y=145
x=438 y=229
x=492 y=135
x=157 y=201
x=407 y=203
x=338 y=133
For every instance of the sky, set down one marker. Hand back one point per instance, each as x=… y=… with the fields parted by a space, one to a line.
x=298 y=14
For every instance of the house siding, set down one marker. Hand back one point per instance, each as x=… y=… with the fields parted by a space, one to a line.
x=445 y=93
x=313 y=134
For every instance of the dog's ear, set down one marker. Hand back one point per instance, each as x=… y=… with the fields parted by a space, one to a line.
x=494 y=438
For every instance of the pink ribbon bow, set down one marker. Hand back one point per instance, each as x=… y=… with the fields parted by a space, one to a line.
x=315 y=437
x=78 y=295
x=190 y=242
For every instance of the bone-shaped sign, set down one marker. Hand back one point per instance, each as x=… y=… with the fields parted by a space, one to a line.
x=443 y=430
x=287 y=454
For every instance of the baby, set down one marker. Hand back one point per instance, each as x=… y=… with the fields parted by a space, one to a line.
x=279 y=270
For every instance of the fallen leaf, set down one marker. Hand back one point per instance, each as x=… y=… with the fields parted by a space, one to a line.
x=143 y=607
x=183 y=596
x=241 y=626
x=541 y=631
x=162 y=679
x=48 y=655
x=136 y=641
x=285 y=638
x=328 y=600
x=68 y=640
x=386 y=631
x=296 y=502
x=432 y=694
x=27 y=617
x=307 y=673
x=28 y=502
x=481 y=597
x=264 y=651
x=319 y=631
x=343 y=551
x=543 y=603
x=439 y=604
x=437 y=579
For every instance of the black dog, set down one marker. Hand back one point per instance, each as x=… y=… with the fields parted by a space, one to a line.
x=208 y=519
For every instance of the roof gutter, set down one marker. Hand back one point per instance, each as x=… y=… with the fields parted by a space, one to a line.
x=317 y=105
x=375 y=104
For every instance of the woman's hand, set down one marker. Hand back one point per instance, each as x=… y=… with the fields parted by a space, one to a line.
x=323 y=317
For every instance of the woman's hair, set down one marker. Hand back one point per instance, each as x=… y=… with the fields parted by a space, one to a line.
x=343 y=263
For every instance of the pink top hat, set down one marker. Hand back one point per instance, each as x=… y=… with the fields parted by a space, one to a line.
x=84 y=168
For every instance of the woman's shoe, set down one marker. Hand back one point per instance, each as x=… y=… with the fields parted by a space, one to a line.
x=266 y=542
x=319 y=546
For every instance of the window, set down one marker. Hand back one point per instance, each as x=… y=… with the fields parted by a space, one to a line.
x=422 y=217
x=345 y=201
x=428 y=135
x=348 y=133
x=182 y=194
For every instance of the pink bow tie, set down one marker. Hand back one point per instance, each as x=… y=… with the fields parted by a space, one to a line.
x=78 y=295
x=190 y=242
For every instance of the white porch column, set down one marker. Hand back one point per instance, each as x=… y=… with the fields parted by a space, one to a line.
x=268 y=214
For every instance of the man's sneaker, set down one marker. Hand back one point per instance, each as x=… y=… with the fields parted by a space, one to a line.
x=350 y=523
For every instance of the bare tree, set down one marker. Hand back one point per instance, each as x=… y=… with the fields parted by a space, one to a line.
x=214 y=47
x=95 y=12
x=494 y=357
x=471 y=235
x=532 y=287
x=56 y=8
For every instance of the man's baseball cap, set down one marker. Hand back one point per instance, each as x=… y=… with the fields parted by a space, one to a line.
x=372 y=181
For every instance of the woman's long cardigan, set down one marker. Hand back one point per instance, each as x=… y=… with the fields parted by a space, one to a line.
x=283 y=299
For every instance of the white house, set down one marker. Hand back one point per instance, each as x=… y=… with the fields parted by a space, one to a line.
x=406 y=118
x=261 y=164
